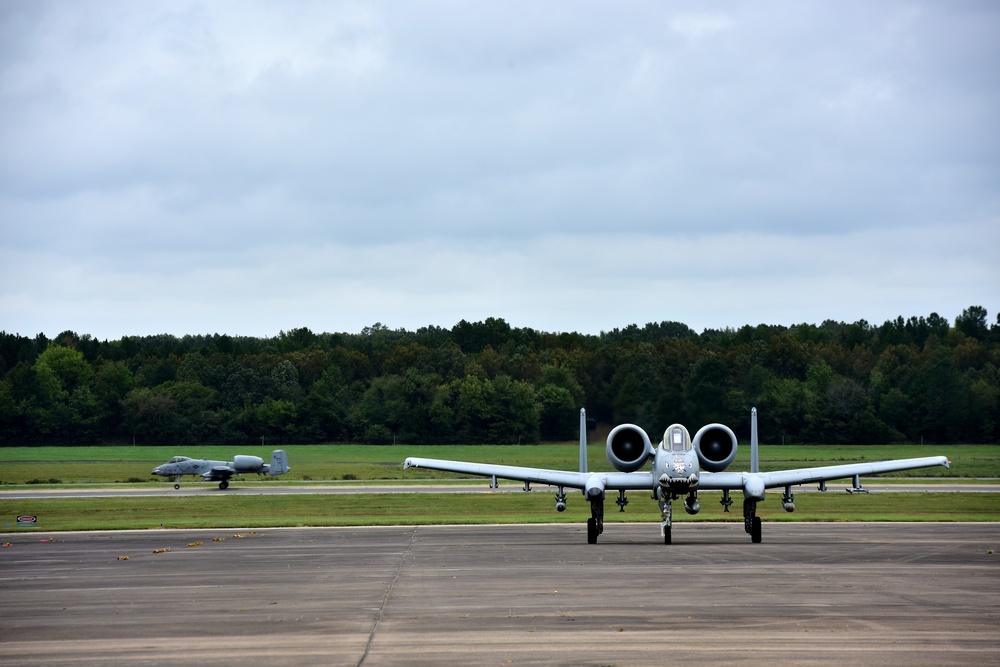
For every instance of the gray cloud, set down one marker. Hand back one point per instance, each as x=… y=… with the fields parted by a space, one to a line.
x=248 y=167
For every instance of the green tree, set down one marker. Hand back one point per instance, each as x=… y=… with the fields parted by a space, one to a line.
x=401 y=403
x=151 y=416
x=324 y=411
x=939 y=398
x=285 y=381
x=972 y=322
x=20 y=403
x=275 y=419
x=895 y=411
x=493 y=411
x=557 y=418
x=473 y=337
x=171 y=413
x=788 y=403
x=112 y=382
x=67 y=406
x=708 y=393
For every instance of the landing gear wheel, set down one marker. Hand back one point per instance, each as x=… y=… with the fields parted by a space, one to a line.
x=177 y=486
x=223 y=485
x=755 y=528
x=591 y=531
x=666 y=535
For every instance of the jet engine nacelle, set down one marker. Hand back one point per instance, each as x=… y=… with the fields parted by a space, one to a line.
x=243 y=463
x=628 y=448
x=716 y=447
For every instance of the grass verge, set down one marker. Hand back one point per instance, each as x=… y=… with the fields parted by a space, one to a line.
x=235 y=511
x=65 y=465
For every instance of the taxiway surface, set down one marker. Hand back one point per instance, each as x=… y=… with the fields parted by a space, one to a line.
x=843 y=593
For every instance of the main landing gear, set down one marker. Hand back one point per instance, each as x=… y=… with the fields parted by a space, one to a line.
x=595 y=524
x=751 y=522
x=223 y=485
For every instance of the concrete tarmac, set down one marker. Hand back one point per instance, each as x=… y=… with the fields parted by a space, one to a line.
x=812 y=593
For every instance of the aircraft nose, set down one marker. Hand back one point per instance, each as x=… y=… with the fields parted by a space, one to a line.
x=679 y=483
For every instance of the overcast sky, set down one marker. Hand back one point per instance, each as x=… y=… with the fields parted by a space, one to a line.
x=251 y=167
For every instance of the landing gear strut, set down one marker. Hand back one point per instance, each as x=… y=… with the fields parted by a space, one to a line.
x=751 y=522
x=667 y=511
x=595 y=524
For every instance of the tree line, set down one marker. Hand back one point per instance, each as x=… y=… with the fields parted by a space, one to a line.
x=913 y=380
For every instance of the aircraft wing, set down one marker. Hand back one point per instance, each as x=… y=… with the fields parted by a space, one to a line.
x=573 y=480
x=644 y=480
x=778 y=478
x=218 y=474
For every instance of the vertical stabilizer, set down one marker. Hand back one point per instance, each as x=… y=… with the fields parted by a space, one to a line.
x=754 y=454
x=279 y=463
x=583 y=439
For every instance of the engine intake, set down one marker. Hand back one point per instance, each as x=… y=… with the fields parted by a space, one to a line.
x=628 y=448
x=716 y=447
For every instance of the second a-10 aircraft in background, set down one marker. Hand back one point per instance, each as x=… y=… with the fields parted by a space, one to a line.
x=681 y=467
x=221 y=471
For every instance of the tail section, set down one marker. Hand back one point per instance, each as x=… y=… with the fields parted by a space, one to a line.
x=754 y=455
x=279 y=463
x=583 y=439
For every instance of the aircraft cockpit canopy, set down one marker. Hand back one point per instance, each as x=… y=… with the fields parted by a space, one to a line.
x=677 y=438
x=178 y=459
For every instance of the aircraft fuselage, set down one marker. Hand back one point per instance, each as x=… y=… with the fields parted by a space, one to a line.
x=676 y=468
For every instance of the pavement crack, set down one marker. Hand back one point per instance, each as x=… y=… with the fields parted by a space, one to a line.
x=385 y=597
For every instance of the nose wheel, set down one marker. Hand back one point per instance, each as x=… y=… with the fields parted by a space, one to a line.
x=595 y=524
x=666 y=509
x=751 y=521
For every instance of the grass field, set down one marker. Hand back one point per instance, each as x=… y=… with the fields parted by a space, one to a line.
x=233 y=511
x=59 y=466
x=67 y=465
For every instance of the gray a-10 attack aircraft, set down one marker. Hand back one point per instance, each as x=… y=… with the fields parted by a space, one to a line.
x=221 y=471
x=681 y=467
